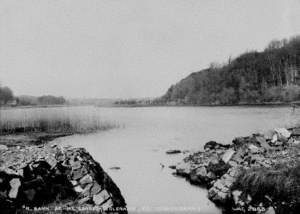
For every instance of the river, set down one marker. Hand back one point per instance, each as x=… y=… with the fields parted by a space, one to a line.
x=138 y=147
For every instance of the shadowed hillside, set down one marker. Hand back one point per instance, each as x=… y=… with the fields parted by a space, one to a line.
x=272 y=75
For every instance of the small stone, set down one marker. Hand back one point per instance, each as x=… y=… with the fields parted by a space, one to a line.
x=283 y=132
x=262 y=141
x=274 y=138
x=278 y=143
x=249 y=198
x=108 y=204
x=3 y=147
x=115 y=168
x=227 y=155
x=173 y=151
x=84 y=200
x=201 y=171
x=183 y=168
x=86 y=179
x=78 y=189
x=51 y=161
x=296 y=142
x=210 y=145
x=233 y=163
x=15 y=184
x=172 y=167
x=74 y=183
x=236 y=196
x=20 y=172
x=79 y=173
x=211 y=175
x=253 y=149
x=86 y=190
x=76 y=165
x=199 y=175
x=270 y=210
x=101 y=197
x=11 y=171
x=79 y=158
x=95 y=189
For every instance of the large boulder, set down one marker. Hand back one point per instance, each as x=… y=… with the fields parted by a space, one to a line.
x=213 y=145
x=228 y=155
x=283 y=133
x=183 y=169
x=199 y=176
x=263 y=142
x=220 y=192
x=218 y=167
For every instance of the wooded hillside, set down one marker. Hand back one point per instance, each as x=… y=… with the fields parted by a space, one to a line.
x=272 y=75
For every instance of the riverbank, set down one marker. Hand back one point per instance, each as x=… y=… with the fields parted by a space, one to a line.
x=262 y=104
x=30 y=138
x=35 y=173
x=254 y=174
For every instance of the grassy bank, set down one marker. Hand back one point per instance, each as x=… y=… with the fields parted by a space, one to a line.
x=277 y=182
x=278 y=186
x=52 y=120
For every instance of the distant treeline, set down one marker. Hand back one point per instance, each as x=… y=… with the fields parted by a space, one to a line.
x=42 y=100
x=272 y=75
x=7 y=98
x=135 y=102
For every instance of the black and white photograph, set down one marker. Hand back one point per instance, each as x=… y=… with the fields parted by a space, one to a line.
x=149 y=106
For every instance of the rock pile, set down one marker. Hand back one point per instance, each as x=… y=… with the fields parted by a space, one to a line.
x=218 y=166
x=36 y=176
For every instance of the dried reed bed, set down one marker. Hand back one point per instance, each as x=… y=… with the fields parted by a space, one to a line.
x=53 y=120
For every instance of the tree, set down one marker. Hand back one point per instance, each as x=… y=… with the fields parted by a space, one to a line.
x=6 y=95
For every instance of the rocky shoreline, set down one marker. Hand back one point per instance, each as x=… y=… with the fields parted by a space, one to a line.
x=252 y=174
x=55 y=179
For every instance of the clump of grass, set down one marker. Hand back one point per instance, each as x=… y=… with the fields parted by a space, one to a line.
x=51 y=120
x=278 y=186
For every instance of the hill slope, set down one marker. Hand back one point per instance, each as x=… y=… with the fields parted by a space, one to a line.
x=272 y=75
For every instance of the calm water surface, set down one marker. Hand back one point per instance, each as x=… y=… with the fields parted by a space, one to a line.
x=139 y=146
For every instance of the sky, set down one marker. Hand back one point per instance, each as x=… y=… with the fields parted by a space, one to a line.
x=129 y=48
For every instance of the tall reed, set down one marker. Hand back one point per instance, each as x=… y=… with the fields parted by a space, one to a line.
x=54 y=120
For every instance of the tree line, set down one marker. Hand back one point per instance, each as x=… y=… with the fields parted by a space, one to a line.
x=272 y=75
x=7 y=98
x=42 y=100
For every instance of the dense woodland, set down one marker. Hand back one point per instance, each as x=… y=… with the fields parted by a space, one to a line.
x=272 y=75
